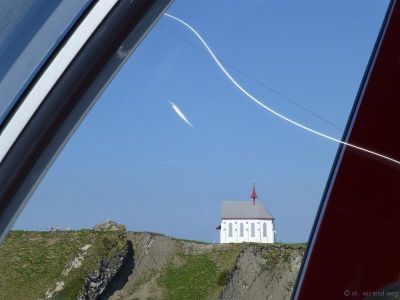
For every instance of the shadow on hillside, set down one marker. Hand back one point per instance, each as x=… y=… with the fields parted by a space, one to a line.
x=121 y=278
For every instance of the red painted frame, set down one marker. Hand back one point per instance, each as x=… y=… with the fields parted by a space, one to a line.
x=355 y=247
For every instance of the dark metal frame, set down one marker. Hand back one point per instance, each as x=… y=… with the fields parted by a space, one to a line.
x=340 y=261
x=70 y=100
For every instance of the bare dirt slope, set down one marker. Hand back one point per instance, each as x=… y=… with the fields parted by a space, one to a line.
x=161 y=267
x=110 y=263
x=264 y=273
x=150 y=254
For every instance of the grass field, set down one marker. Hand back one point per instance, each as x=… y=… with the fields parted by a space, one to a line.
x=199 y=276
x=203 y=276
x=32 y=262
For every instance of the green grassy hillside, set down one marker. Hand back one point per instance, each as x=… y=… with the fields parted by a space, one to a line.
x=200 y=276
x=122 y=265
x=31 y=263
x=168 y=268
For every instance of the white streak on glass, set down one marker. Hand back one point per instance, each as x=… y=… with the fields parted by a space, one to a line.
x=180 y=114
x=254 y=99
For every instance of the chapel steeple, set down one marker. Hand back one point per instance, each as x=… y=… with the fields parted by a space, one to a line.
x=254 y=193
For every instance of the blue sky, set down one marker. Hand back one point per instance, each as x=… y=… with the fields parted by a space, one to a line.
x=134 y=161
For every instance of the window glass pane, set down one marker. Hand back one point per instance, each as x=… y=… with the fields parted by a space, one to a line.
x=135 y=138
x=11 y=12
x=29 y=32
x=183 y=142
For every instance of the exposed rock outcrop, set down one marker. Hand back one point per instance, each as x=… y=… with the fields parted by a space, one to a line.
x=109 y=225
x=107 y=269
x=258 y=271
x=110 y=263
x=75 y=263
x=264 y=272
x=96 y=282
x=109 y=257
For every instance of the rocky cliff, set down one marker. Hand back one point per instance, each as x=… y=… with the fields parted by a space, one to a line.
x=60 y=264
x=110 y=263
x=167 y=268
x=264 y=272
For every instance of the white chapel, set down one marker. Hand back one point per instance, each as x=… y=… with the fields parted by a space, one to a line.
x=246 y=221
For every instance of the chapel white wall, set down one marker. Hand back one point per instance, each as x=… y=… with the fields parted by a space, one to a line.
x=237 y=238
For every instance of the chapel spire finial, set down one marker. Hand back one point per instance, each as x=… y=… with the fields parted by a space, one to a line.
x=254 y=194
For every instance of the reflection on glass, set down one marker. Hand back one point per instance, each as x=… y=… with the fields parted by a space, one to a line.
x=29 y=32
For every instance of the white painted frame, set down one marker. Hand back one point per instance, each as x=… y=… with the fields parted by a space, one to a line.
x=53 y=72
